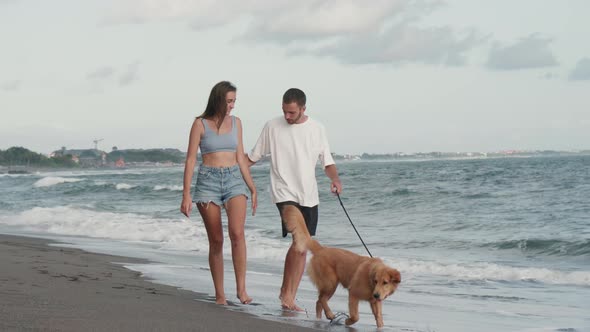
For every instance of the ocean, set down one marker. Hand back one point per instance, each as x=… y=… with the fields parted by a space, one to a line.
x=482 y=244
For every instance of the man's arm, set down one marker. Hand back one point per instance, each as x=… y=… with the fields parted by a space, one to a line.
x=332 y=173
x=261 y=148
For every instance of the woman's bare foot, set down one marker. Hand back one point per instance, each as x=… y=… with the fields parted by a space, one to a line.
x=221 y=300
x=289 y=305
x=292 y=307
x=245 y=298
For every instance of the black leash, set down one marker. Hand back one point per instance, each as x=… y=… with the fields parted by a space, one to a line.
x=357 y=233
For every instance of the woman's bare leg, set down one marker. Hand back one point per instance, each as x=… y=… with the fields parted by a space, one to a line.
x=211 y=214
x=236 y=215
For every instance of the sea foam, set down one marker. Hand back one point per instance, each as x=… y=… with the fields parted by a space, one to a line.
x=171 y=234
x=53 y=180
x=492 y=272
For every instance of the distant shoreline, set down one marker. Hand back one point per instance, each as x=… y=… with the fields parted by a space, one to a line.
x=32 y=169
x=37 y=169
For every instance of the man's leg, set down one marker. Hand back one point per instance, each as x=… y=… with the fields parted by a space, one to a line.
x=294 y=268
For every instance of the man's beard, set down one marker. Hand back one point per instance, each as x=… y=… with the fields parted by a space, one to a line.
x=294 y=121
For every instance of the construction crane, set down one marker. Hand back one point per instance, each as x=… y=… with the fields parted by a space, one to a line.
x=96 y=143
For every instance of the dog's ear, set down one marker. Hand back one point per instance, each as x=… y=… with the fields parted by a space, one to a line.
x=395 y=276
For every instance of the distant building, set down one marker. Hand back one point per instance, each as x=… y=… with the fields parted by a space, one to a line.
x=120 y=163
x=83 y=157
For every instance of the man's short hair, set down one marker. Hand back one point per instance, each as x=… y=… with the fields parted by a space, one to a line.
x=294 y=95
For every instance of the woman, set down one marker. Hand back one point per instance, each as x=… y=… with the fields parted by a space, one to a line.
x=220 y=183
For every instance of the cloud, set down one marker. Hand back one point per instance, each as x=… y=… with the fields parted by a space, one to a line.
x=386 y=31
x=285 y=15
x=101 y=73
x=201 y=14
x=402 y=44
x=581 y=71
x=530 y=52
x=351 y=32
x=130 y=75
x=309 y=20
x=107 y=75
x=13 y=85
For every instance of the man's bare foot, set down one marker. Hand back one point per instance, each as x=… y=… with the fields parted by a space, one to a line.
x=221 y=300
x=245 y=298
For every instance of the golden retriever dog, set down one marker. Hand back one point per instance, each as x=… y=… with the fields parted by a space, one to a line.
x=366 y=278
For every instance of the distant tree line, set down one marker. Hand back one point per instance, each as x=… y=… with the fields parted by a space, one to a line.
x=19 y=156
x=147 y=155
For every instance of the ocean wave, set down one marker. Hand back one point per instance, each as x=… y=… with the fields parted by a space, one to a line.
x=477 y=196
x=54 y=180
x=102 y=172
x=491 y=271
x=401 y=192
x=148 y=188
x=555 y=247
x=501 y=298
x=168 y=187
x=172 y=234
x=105 y=186
x=101 y=185
x=7 y=175
x=82 y=221
x=124 y=186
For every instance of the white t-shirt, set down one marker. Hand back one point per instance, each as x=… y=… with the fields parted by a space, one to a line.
x=294 y=151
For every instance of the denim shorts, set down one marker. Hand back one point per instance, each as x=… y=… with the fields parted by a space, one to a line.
x=219 y=184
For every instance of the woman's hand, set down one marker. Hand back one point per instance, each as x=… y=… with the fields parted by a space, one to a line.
x=186 y=206
x=254 y=198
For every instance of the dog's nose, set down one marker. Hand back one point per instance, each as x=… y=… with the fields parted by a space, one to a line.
x=376 y=295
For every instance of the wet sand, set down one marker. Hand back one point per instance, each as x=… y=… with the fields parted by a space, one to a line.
x=51 y=288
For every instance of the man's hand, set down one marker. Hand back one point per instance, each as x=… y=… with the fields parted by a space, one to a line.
x=336 y=186
x=332 y=173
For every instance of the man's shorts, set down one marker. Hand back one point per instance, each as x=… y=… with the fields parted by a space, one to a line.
x=310 y=214
x=218 y=185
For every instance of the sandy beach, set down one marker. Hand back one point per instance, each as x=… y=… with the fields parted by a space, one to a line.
x=51 y=288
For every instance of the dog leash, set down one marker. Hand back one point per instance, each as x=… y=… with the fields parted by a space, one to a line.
x=357 y=233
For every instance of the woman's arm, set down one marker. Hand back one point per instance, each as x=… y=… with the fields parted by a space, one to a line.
x=244 y=163
x=189 y=166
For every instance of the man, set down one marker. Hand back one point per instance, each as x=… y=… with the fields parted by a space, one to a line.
x=295 y=142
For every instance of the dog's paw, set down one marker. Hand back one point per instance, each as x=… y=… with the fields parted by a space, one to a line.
x=350 y=321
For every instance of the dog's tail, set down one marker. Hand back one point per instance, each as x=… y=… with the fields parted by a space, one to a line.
x=295 y=224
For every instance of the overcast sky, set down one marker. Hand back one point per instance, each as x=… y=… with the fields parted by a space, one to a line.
x=382 y=75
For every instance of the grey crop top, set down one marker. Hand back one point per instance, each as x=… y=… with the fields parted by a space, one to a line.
x=213 y=142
